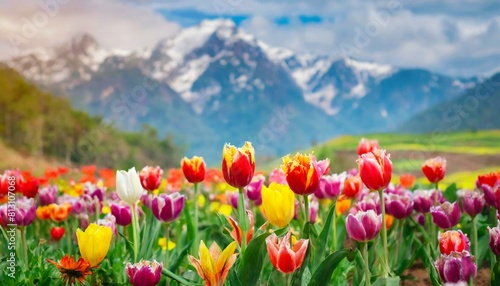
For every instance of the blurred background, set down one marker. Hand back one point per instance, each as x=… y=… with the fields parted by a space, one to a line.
x=123 y=83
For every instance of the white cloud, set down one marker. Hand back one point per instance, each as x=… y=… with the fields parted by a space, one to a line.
x=25 y=24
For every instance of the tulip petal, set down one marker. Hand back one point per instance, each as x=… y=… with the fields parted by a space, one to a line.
x=355 y=229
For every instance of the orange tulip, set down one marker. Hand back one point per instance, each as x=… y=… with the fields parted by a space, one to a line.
x=352 y=186
x=193 y=169
x=343 y=205
x=43 y=212
x=434 y=169
x=59 y=212
x=407 y=180
x=389 y=219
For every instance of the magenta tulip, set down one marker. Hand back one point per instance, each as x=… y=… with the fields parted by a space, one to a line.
x=167 y=208
x=363 y=226
x=446 y=215
x=456 y=267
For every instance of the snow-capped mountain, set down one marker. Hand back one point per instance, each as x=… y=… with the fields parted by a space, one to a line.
x=215 y=83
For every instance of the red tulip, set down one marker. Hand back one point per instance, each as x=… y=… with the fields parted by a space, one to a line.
x=238 y=164
x=375 y=169
x=193 y=169
x=150 y=177
x=236 y=231
x=488 y=179
x=366 y=146
x=352 y=186
x=453 y=240
x=29 y=186
x=10 y=181
x=302 y=173
x=434 y=169
x=57 y=233
x=285 y=255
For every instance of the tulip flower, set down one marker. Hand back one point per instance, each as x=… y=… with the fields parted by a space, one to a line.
x=110 y=221
x=369 y=202
x=254 y=189
x=375 y=169
x=24 y=212
x=29 y=185
x=94 y=243
x=61 y=212
x=236 y=232
x=424 y=199
x=144 y=273
x=352 y=186
x=277 y=176
x=121 y=213
x=472 y=202
x=406 y=180
x=492 y=194
x=285 y=255
x=363 y=226
x=10 y=181
x=331 y=186
x=495 y=240
x=214 y=264
x=167 y=208
x=238 y=165
x=446 y=215
x=128 y=186
x=366 y=146
x=233 y=199
x=434 y=169
x=456 y=267
x=302 y=173
x=399 y=206
x=43 y=212
x=57 y=233
x=278 y=204
x=488 y=179
x=453 y=240
x=343 y=204
x=193 y=169
x=150 y=177
x=47 y=195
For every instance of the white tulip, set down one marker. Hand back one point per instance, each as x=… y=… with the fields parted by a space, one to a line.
x=128 y=186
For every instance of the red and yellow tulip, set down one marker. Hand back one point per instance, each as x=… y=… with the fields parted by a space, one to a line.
x=214 y=263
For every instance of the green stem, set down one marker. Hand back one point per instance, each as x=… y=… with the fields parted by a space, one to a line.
x=195 y=222
x=242 y=219
x=97 y=208
x=135 y=225
x=384 y=235
x=288 y=279
x=25 y=246
x=67 y=233
x=167 y=237
x=334 y=219
x=401 y=224
x=306 y=208
x=367 y=268
x=475 y=246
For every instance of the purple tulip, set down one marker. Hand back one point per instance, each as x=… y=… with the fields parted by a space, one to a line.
x=122 y=214
x=254 y=189
x=331 y=186
x=446 y=215
x=420 y=218
x=94 y=191
x=144 y=273
x=495 y=239
x=21 y=213
x=397 y=190
x=456 y=267
x=399 y=206
x=472 y=202
x=167 y=208
x=423 y=200
x=313 y=210
x=110 y=221
x=363 y=226
x=277 y=176
x=147 y=199
x=83 y=220
x=492 y=195
x=47 y=195
x=370 y=202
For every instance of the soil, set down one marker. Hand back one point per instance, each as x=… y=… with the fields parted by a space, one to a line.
x=421 y=277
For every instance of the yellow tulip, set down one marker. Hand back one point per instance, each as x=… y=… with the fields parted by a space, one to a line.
x=278 y=202
x=214 y=264
x=94 y=243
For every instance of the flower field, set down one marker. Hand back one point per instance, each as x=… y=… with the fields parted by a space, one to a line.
x=299 y=224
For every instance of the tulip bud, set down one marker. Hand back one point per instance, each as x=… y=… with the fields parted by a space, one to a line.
x=399 y=206
x=434 y=169
x=352 y=186
x=128 y=186
x=495 y=239
x=472 y=202
x=453 y=240
x=366 y=146
x=122 y=214
x=363 y=226
x=375 y=169
x=238 y=164
x=57 y=233
x=302 y=173
x=254 y=189
x=331 y=186
x=193 y=169
x=167 y=208
x=144 y=273
x=456 y=267
x=369 y=202
x=286 y=256
x=488 y=179
x=446 y=215
x=236 y=232
x=10 y=181
x=29 y=185
x=150 y=177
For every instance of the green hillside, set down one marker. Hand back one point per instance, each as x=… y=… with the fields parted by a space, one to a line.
x=39 y=125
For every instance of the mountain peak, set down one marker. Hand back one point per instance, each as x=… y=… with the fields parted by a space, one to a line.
x=80 y=44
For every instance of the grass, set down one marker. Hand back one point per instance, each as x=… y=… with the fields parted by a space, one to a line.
x=477 y=143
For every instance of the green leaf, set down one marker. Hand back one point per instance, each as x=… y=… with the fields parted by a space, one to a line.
x=325 y=270
x=175 y=263
x=253 y=260
x=191 y=232
x=358 y=275
x=128 y=243
x=495 y=274
x=450 y=194
x=389 y=281
x=323 y=237
x=176 y=277
x=233 y=278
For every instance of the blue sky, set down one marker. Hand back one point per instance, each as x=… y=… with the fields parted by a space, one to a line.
x=455 y=37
